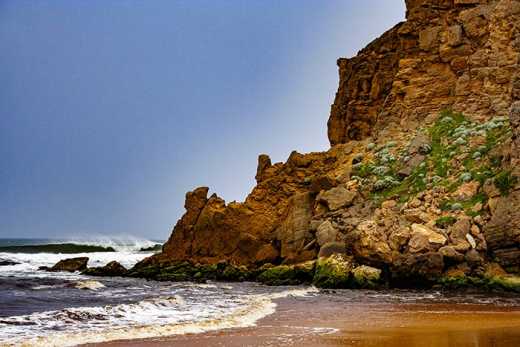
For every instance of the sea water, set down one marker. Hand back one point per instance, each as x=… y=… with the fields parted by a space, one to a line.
x=63 y=309
x=39 y=308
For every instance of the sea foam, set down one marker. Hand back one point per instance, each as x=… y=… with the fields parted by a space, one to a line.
x=154 y=317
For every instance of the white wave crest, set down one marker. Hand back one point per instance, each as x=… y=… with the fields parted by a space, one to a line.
x=121 y=243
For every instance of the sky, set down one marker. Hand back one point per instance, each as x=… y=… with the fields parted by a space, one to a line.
x=110 y=111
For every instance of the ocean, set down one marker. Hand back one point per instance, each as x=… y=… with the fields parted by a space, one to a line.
x=39 y=308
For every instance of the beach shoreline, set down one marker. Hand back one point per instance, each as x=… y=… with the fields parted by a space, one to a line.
x=324 y=320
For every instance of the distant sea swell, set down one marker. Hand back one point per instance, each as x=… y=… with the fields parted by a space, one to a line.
x=70 y=246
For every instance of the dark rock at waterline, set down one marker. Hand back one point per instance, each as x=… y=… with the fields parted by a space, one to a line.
x=111 y=269
x=70 y=265
x=7 y=262
x=186 y=271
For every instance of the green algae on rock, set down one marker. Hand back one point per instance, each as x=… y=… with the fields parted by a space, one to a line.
x=288 y=274
x=364 y=276
x=333 y=271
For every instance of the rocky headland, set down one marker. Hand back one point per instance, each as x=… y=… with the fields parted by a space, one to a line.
x=419 y=187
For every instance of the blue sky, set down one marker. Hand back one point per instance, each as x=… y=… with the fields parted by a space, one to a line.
x=111 y=110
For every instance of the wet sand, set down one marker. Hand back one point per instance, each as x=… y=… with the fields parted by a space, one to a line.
x=326 y=320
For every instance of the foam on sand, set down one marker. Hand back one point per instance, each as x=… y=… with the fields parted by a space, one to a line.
x=157 y=317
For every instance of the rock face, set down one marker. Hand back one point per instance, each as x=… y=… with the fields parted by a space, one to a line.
x=272 y=225
x=447 y=54
x=418 y=188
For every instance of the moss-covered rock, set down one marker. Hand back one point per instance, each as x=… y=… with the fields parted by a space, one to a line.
x=288 y=274
x=147 y=272
x=506 y=282
x=494 y=278
x=497 y=278
x=457 y=278
x=178 y=272
x=333 y=271
x=234 y=273
x=366 y=277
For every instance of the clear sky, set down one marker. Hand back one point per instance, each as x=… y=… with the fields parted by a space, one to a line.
x=111 y=110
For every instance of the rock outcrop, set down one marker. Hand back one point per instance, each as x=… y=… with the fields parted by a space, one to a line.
x=111 y=269
x=69 y=265
x=418 y=188
x=273 y=225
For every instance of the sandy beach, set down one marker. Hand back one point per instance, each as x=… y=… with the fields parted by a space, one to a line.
x=326 y=320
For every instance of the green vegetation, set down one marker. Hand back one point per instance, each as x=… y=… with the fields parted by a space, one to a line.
x=459 y=151
x=445 y=222
x=504 y=181
x=444 y=129
x=288 y=274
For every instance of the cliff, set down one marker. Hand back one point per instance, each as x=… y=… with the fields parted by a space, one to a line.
x=420 y=181
x=457 y=54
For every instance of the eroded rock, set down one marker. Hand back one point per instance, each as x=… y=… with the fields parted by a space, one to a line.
x=70 y=264
x=111 y=269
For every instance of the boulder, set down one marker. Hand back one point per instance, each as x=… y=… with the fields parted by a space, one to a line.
x=336 y=197
x=333 y=271
x=458 y=232
x=417 y=269
x=70 y=264
x=399 y=238
x=450 y=254
x=111 y=269
x=369 y=244
x=366 y=276
x=424 y=239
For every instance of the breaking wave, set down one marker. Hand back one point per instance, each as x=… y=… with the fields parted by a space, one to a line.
x=123 y=243
x=154 y=317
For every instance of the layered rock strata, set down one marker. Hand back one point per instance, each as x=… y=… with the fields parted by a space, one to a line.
x=458 y=54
